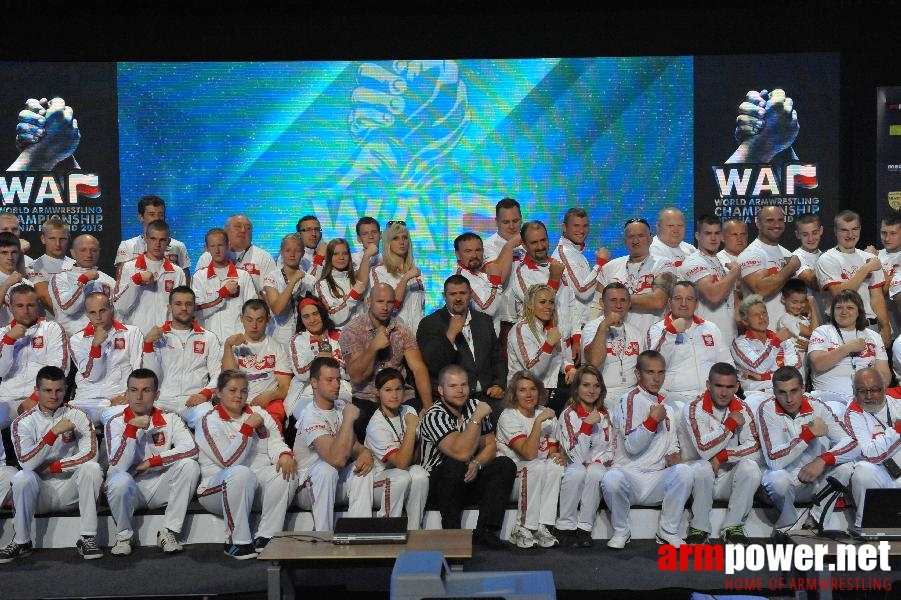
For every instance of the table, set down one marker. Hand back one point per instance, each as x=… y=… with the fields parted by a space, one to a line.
x=291 y=550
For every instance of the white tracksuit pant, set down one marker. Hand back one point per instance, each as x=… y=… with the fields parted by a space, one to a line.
x=580 y=496
x=736 y=483
x=6 y=479
x=784 y=489
x=391 y=482
x=33 y=494
x=623 y=487
x=9 y=410
x=324 y=486
x=536 y=490
x=868 y=476
x=234 y=491
x=172 y=487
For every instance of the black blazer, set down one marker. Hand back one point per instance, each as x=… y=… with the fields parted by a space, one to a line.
x=487 y=366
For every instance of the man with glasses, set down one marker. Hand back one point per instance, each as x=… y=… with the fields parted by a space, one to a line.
x=310 y=230
x=241 y=251
x=874 y=420
x=644 y=276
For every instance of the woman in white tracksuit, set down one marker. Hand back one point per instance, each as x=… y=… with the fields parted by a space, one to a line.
x=391 y=436
x=526 y=433
x=585 y=435
x=244 y=462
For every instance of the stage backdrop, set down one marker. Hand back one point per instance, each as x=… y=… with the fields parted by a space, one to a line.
x=888 y=150
x=435 y=143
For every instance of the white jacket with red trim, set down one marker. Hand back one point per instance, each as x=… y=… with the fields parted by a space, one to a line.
x=788 y=443
x=343 y=306
x=217 y=311
x=583 y=443
x=513 y=425
x=164 y=442
x=581 y=276
x=642 y=443
x=283 y=325
x=38 y=447
x=253 y=259
x=879 y=435
x=146 y=306
x=527 y=351
x=525 y=275
x=103 y=370
x=68 y=289
x=706 y=431
x=226 y=442
x=688 y=355
x=487 y=293
x=43 y=344
x=762 y=358
x=184 y=369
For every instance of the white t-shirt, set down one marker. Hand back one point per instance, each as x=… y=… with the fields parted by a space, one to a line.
x=835 y=267
x=312 y=423
x=513 y=425
x=839 y=379
x=699 y=266
x=759 y=256
x=262 y=361
x=384 y=435
x=676 y=256
x=638 y=277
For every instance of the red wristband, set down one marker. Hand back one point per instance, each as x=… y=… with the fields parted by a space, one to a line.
x=651 y=424
x=806 y=434
x=354 y=295
x=554 y=283
x=494 y=279
x=148 y=347
x=730 y=424
x=50 y=437
x=722 y=456
x=318 y=259
x=603 y=261
x=223 y=292
x=246 y=430
x=137 y=278
x=130 y=431
x=83 y=279
x=155 y=461
x=56 y=467
x=547 y=348
x=8 y=340
x=207 y=393
x=828 y=458
x=898 y=427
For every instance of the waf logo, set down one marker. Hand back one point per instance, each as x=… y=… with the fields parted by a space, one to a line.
x=40 y=188
x=755 y=180
x=199 y=347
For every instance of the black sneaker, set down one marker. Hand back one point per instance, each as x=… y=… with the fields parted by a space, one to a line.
x=583 y=539
x=735 y=535
x=697 y=536
x=13 y=551
x=488 y=539
x=260 y=543
x=240 y=551
x=87 y=547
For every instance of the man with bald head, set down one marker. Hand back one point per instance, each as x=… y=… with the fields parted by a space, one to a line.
x=69 y=288
x=735 y=240
x=766 y=265
x=241 y=251
x=375 y=340
x=874 y=420
x=669 y=243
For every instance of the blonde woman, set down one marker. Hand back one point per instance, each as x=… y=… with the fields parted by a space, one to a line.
x=283 y=287
x=400 y=272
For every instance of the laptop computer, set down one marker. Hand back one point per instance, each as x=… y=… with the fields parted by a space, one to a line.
x=881 y=515
x=377 y=530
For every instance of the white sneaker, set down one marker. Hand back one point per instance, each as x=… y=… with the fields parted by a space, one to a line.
x=618 y=542
x=522 y=537
x=673 y=539
x=121 y=548
x=545 y=538
x=166 y=540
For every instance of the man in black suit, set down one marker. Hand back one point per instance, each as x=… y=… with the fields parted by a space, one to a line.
x=457 y=335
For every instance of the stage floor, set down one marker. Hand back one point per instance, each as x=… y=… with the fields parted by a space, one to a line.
x=203 y=571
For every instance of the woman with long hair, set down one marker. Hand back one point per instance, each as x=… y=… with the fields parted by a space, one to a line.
x=282 y=289
x=400 y=272
x=391 y=436
x=338 y=289
x=585 y=435
x=316 y=336
x=536 y=345
x=843 y=346
x=244 y=463
x=526 y=433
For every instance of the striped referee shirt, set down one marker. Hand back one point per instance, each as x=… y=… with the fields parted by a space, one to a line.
x=437 y=423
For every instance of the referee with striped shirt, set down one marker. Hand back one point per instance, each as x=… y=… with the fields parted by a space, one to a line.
x=459 y=452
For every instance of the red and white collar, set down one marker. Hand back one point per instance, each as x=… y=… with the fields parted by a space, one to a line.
x=224 y=415
x=141 y=263
x=167 y=326
x=771 y=337
x=231 y=274
x=117 y=326
x=805 y=408
x=156 y=416
x=707 y=403
x=38 y=320
x=668 y=322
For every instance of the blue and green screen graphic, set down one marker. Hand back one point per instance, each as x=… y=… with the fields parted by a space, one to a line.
x=433 y=143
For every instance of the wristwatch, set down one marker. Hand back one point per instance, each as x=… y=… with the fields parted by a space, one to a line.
x=478 y=464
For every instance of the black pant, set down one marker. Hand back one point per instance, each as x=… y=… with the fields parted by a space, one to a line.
x=490 y=490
